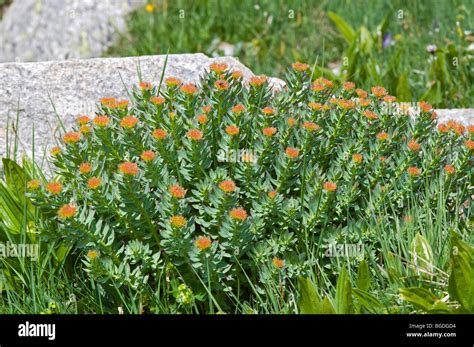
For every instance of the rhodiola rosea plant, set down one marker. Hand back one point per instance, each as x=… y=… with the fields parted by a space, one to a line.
x=230 y=184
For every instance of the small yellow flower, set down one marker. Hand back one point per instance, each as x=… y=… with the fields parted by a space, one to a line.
x=149 y=8
x=33 y=184
x=178 y=221
x=92 y=254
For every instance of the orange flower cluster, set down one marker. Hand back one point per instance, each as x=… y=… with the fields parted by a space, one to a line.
x=72 y=137
x=128 y=122
x=178 y=221
x=203 y=243
x=227 y=186
x=177 y=191
x=218 y=68
x=257 y=81
x=232 y=130
x=300 y=67
x=128 y=168
x=238 y=214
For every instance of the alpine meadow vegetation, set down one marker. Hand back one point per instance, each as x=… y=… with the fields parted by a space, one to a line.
x=234 y=196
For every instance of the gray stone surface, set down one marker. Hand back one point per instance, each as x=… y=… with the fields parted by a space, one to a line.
x=75 y=87
x=38 y=30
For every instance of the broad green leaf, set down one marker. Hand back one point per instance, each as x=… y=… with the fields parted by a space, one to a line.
x=422 y=255
x=343 y=27
x=310 y=302
x=370 y=302
x=327 y=307
x=419 y=297
x=344 y=303
x=363 y=276
x=461 y=280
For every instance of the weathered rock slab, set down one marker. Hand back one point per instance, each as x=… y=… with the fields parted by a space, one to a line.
x=38 y=30
x=75 y=86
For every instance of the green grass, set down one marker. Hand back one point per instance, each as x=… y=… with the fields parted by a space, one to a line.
x=268 y=36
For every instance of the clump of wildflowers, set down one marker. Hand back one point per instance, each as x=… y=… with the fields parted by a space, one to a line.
x=146 y=183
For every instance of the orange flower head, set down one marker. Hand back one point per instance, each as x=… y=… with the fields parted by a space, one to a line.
x=361 y=93
x=389 y=99
x=237 y=74
x=238 y=109
x=55 y=151
x=82 y=120
x=268 y=110
x=206 y=109
x=157 y=100
x=67 y=211
x=346 y=104
x=202 y=118
x=269 y=131
x=33 y=184
x=121 y=104
x=310 y=126
x=85 y=129
x=238 y=214
x=145 y=85
x=414 y=171
x=218 y=68
x=272 y=194
x=128 y=122
x=300 y=67
x=382 y=136
x=364 y=102
x=378 y=91
x=459 y=129
x=278 y=263
x=172 y=82
x=159 y=134
x=469 y=144
x=348 y=85
x=72 y=137
x=194 y=134
x=291 y=121
x=357 y=158
x=325 y=82
x=189 y=89
x=257 y=81
x=292 y=152
x=425 y=107
x=443 y=128
x=470 y=129
x=101 y=121
x=449 y=169
x=128 y=168
x=85 y=168
x=107 y=101
x=316 y=106
x=54 y=187
x=227 y=186
x=221 y=85
x=94 y=182
x=232 y=130
x=370 y=115
x=330 y=186
x=148 y=156
x=317 y=87
x=414 y=146
x=177 y=191
x=178 y=221
x=203 y=243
